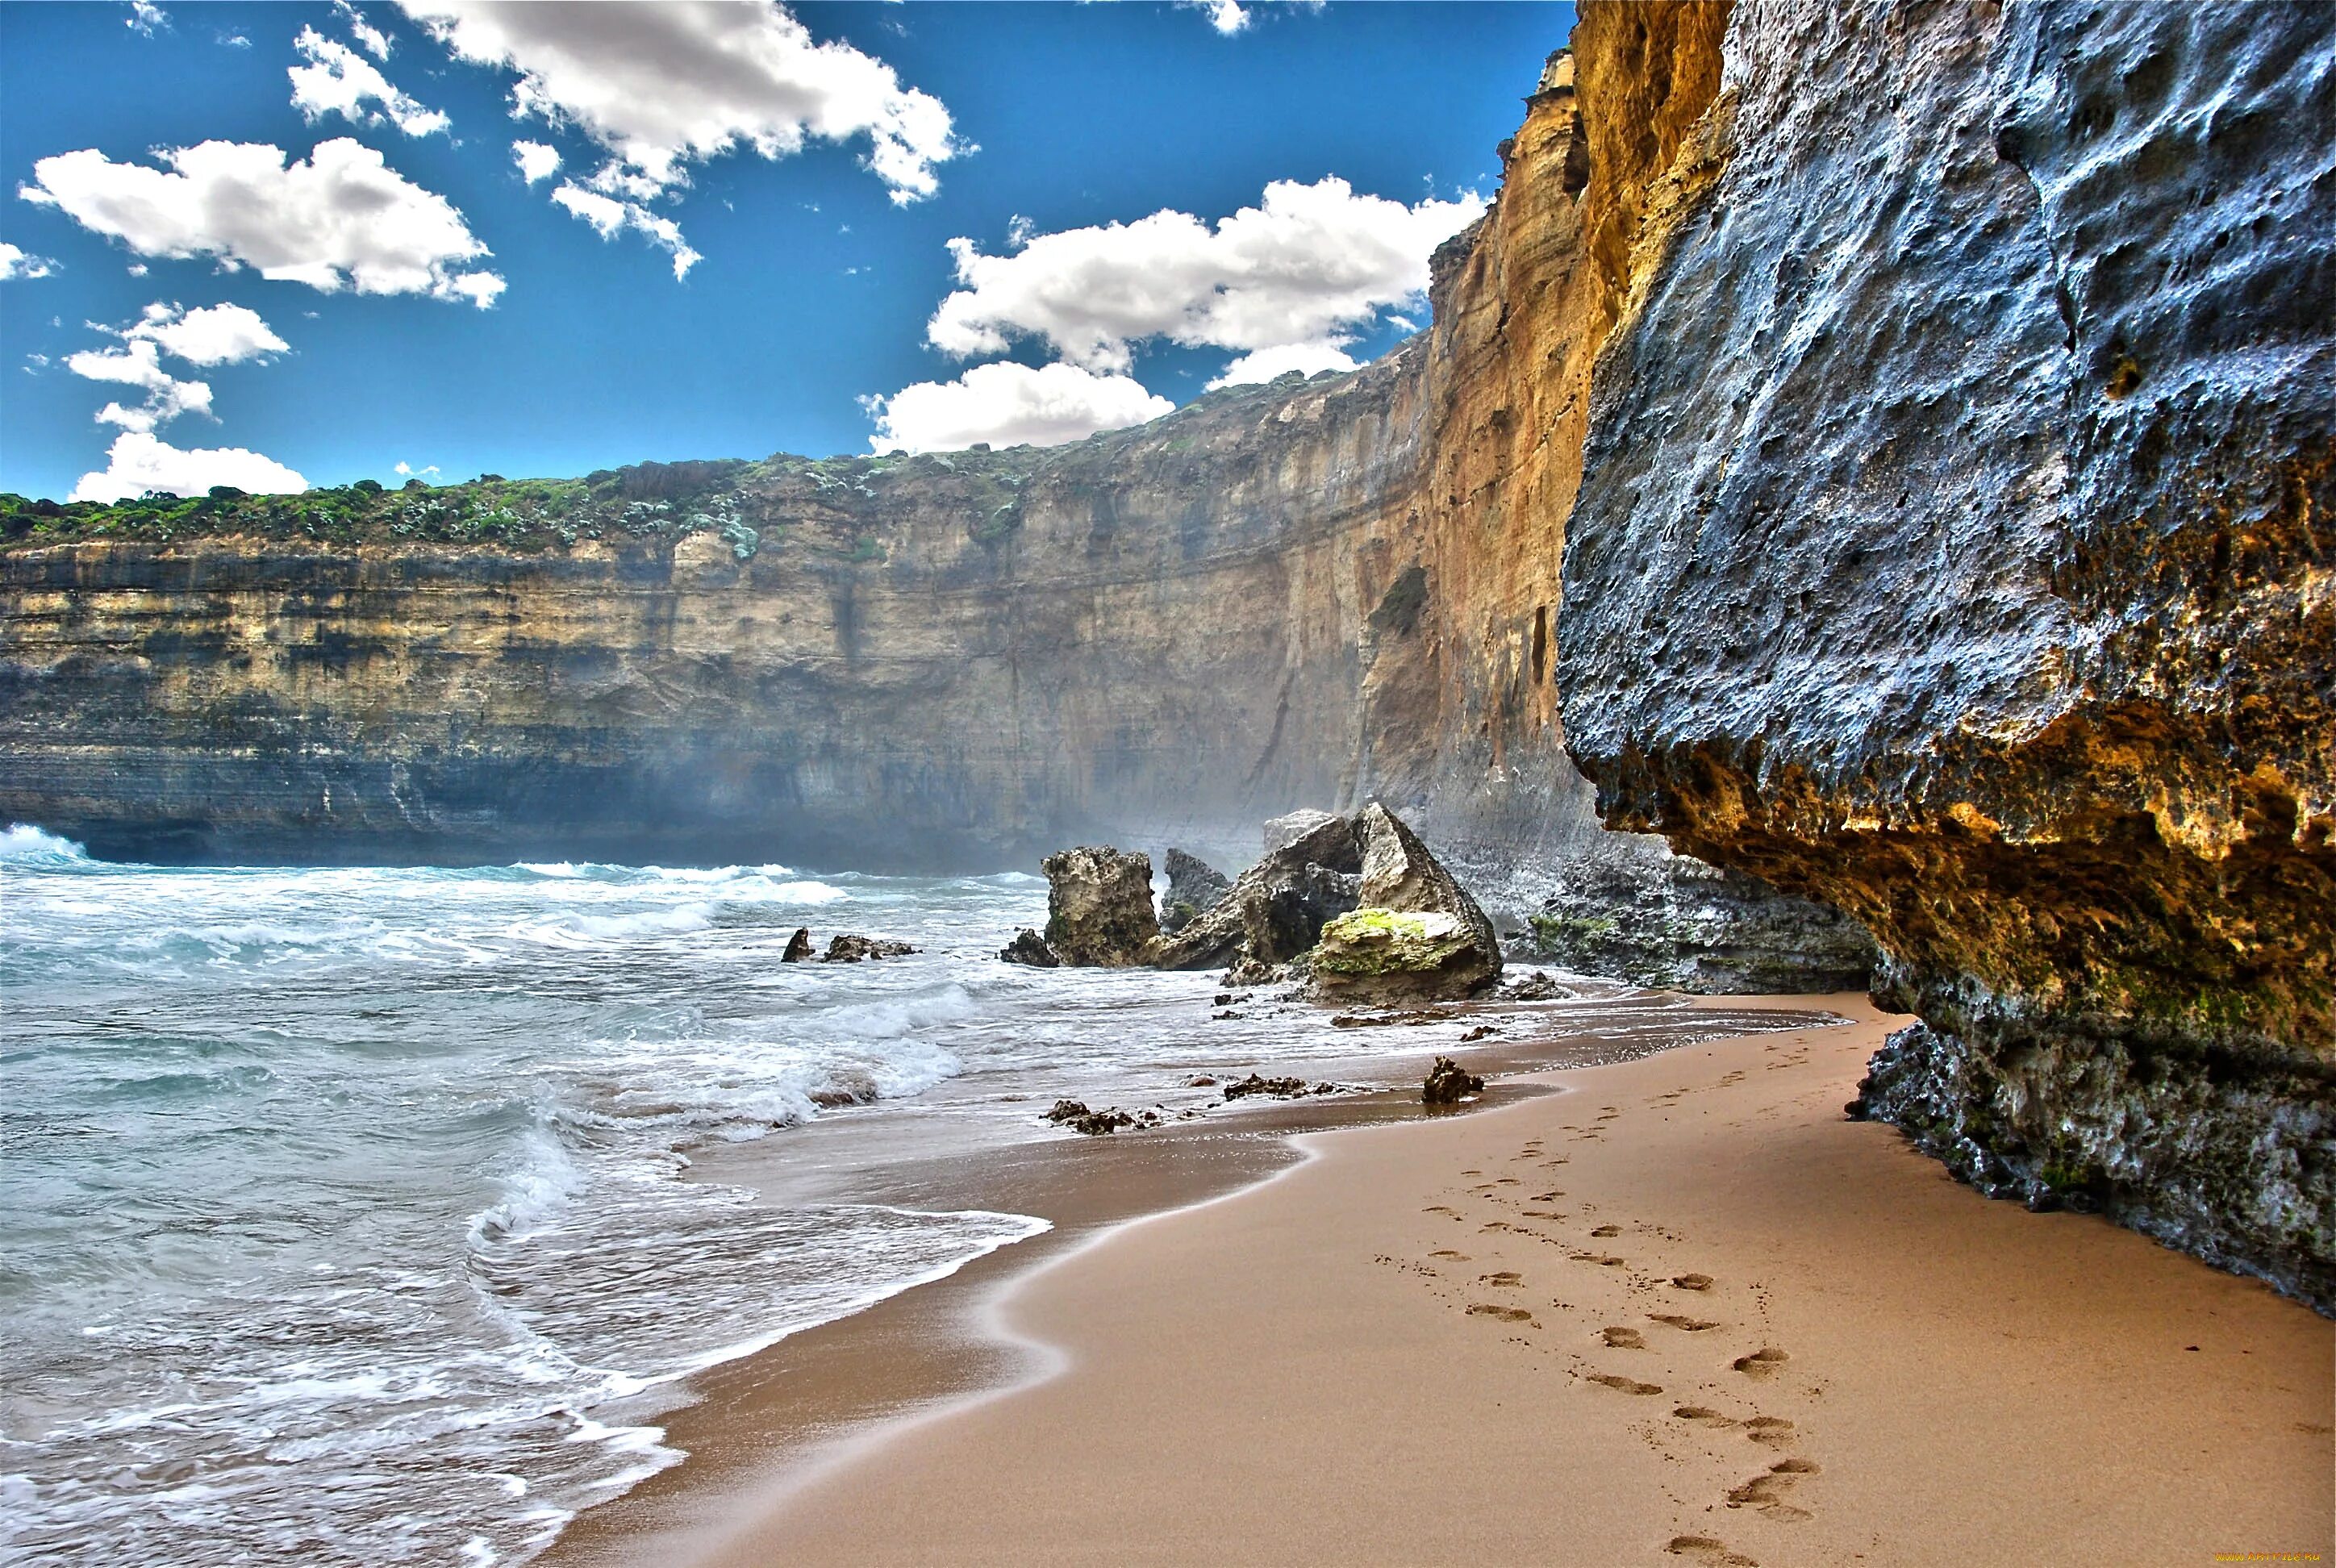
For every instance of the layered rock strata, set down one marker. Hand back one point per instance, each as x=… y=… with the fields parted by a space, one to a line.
x=1952 y=547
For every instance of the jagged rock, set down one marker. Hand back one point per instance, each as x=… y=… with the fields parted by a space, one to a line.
x=798 y=947
x=1099 y=907
x=1029 y=947
x=1277 y=907
x=1195 y=888
x=1281 y=831
x=1075 y=1114
x=1536 y=987
x=1417 y=936
x=1448 y=1084
x=850 y=948
x=1248 y=972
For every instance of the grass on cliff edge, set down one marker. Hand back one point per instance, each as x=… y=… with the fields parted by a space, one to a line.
x=745 y=503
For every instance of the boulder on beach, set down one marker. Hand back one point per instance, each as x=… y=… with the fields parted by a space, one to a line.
x=850 y=948
x=798 y=947
x=1099 y=909
x=1448 y=1083
x=1276 y=908
x=1415 y=934
x=1195 y=888
x=1029 y=947
x=1281 y=832
x=1075 y=1114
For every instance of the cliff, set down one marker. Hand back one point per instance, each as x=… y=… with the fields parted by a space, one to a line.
x=1952 y=547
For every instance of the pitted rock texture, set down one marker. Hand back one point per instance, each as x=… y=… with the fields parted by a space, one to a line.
x=1951 y=547
x=1099 y=909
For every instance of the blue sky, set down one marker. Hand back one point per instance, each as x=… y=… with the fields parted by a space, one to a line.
x=1026 y=129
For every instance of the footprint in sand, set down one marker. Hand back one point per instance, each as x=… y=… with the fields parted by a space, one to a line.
x=1619 y=1338
x=1768 y=1493
x=1441 y=1209
x=1549 y=1197
x=1692 y=1282
x=1505 y=1314
x=1599 y=1258
x=1624 y=1385
x=1508 y=1181
x=1773 y=1430
x=1693 y=1325
x=1703 y=1417
x=1507 y=1279
x=1704 y=1549
x=1760 y=1362
x=1607 y=1230
x=1448 y=1253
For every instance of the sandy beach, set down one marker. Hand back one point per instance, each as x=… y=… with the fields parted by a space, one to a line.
x=1679 y=1310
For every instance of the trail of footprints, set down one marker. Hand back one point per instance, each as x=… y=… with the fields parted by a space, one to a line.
x=1631 y=1324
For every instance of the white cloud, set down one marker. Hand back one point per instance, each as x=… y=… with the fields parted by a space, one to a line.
x=139 y=364
x=18 y=264
x=609 y=215
x=370 y=38
x=663 y=86
x=139 y=462
x=342 y=219
x=536 y=161
x=337 y=79
x=209 y=335
x=146 y=18
x=1225 y=16
x=407 y=471
x=1265 y=363
x=1304 y=268
x=136 y=269
x=1007 y=404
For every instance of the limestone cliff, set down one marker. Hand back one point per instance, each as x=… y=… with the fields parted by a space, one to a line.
x=1951 y=546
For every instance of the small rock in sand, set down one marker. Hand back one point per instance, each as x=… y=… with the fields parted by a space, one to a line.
x=1448 y=1083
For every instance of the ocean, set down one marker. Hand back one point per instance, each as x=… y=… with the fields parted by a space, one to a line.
x=342 y=1205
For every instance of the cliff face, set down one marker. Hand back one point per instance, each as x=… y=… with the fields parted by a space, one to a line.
x=1952 y=546
x=1307 y=594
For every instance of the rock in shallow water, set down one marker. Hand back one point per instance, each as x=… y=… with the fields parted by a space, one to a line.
x=1448 y=1083
x=1099 y=909
x=1417 y=936
x=1275 y=910
x=850 y=948
x=1029 y=947
x=1195 y=888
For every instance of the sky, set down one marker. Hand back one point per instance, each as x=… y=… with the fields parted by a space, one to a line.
x=288 y=245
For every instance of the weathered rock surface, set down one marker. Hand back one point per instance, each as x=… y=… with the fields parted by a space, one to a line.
x=1697 y=928
x=850 y=948
x=1075 y=1114
x=1952 y=547
x=1029 y=947
x=799 y=948
x=1279 y=833
x=1099 y=907
x=1416 y=934
x=1195 y=888
x=1275 y=908
x=1448 y=1083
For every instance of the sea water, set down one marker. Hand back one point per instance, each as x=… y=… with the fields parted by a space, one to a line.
x=339 y=1207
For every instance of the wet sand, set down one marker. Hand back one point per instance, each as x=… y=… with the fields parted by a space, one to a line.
x=1673 y=1310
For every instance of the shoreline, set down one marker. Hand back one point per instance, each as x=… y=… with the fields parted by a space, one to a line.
x=1306 y=1364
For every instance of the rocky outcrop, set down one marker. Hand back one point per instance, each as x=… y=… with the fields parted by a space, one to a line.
x=1099 y=907
x=1695 y=928
x=1281 y=831
x=850 y=948
x=1195 y=888
x=1275 y=910
x=799 y=948
x=1416 y=934
x=1950 y=548
x=1448 y=1083
x=1029 y=947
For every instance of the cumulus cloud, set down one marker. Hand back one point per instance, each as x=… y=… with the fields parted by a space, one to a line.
x=610 y=216
x=1227 y=16
x=139 y=462
x=343 y=219
x=660 y=87
x=1303 y=268
x=337 y=79
x=18 y=264
x=1006 y=404
x=213 y=335
x=146 y=18
x=536 y=161
x=370 y=38
x=1265 y=363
